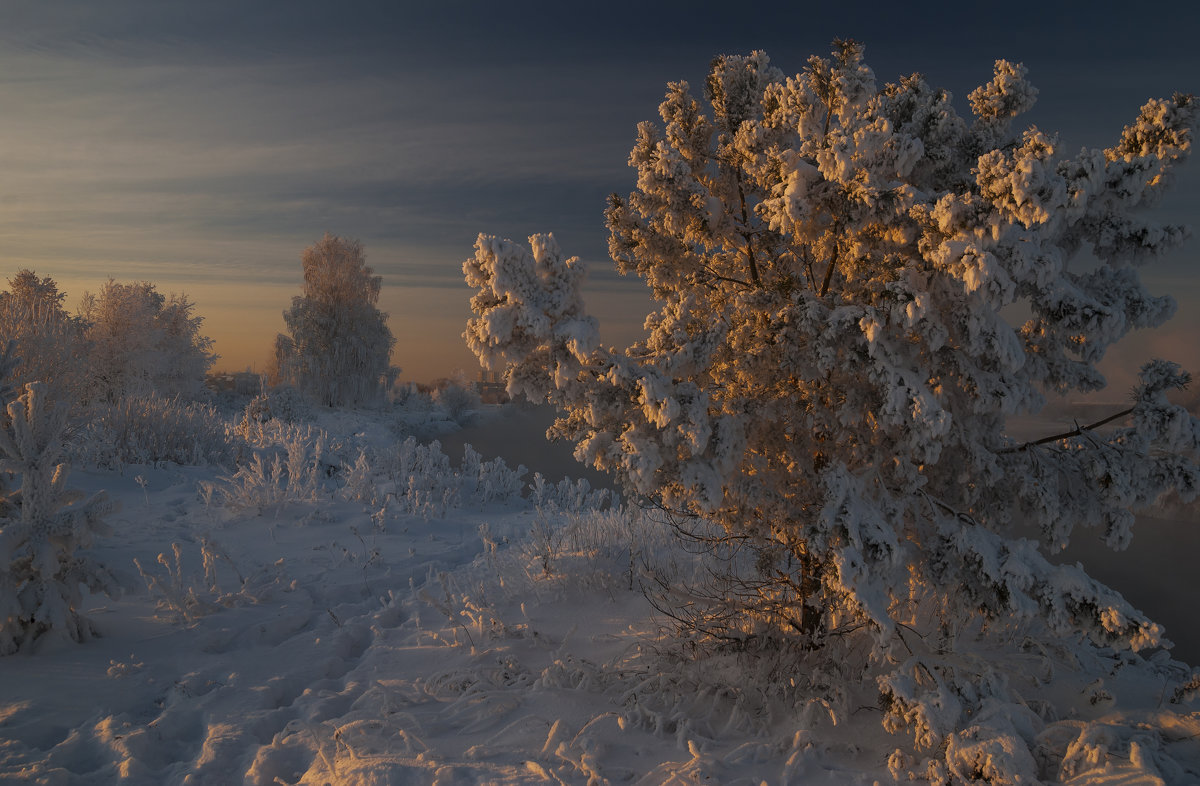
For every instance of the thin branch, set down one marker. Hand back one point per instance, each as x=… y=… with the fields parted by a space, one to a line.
x=808 y=271
x=748 y=237
x=714 y=275
x=965 y=518
x=829 y=272
x=812 y=280
x=1079 y=431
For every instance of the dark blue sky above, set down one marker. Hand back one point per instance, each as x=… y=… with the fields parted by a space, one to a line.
x=204 y=144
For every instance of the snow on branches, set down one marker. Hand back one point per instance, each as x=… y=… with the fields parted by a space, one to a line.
x=832 y=364
x=44 y=529
x=338 y=344
x=140 y=341
x=8 y=363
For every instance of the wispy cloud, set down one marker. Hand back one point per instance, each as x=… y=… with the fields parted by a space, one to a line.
x=204 y=143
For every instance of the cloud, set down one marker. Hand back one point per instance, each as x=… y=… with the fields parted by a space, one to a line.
x=196 y=143
x=112 y=159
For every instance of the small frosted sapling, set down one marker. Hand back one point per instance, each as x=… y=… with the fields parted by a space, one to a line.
x=45 y=530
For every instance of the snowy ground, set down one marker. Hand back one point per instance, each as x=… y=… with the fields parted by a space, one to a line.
x=470 y=638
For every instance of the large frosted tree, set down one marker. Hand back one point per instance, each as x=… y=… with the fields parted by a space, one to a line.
x=833 y=361
x=140 y=341
x=338 y=344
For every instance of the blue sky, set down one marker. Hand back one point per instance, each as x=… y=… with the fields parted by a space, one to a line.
x=203 y=145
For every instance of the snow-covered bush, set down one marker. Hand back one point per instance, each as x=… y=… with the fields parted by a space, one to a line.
x=283 y=403
x=338 y=344
x=408 y=394
x=830 y=370
x=418 y=479
x=458 y=399
x=489 y=481
x=359 y=481
x=415 y=414
x=288 y=467
x=567 y=495
x=143 y=342
x=185 y=597
x=45 y=529
x=257 y=410
x=153 y=429
x=558 y=551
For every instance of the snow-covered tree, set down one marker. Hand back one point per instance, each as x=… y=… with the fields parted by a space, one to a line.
x=338 y=344
x=142 y=342
x=833 y=360
x=26 y=288
x=49 y=342
x=8 y=364
x=44 y=529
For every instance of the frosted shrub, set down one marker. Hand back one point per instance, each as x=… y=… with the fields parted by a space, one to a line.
x=291 y=470
x=153 y=430
x=419 y=416
x=185 y=597
x=422 y=481
x=829 y=371
x=408 y=395
x=618 y=547
x=283 y=403
x=359 y=479
x=45 y=529
x=179 y=599
x=258 y=410
x=277 y=436
x=416 y=479
x=458 y=401
x=489 y=481
x=567 y=495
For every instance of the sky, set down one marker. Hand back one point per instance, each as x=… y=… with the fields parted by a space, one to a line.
x=203 y=145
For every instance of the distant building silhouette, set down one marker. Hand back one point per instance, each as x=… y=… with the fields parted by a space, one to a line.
x=491 y=387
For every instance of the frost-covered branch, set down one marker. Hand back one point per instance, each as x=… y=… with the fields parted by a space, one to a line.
x=1075 y=432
